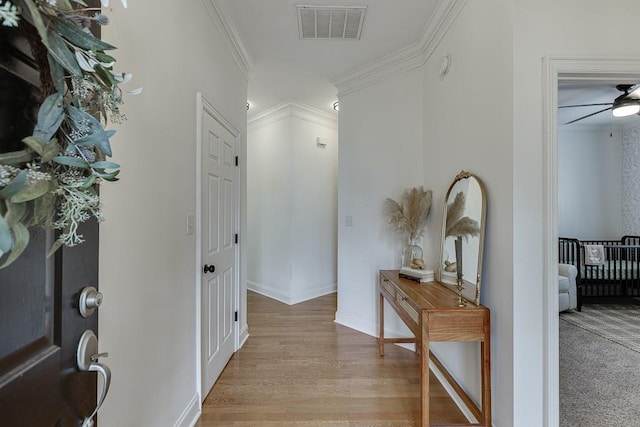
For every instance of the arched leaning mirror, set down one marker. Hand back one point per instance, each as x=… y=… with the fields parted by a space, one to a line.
x=463 y=236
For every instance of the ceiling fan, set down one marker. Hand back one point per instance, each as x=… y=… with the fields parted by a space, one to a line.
x=623 y=105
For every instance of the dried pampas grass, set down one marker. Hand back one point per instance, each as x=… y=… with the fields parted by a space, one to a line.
x=409 y=216
x=457 y=225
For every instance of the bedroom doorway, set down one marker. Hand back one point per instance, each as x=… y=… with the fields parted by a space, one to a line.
x=559 y=71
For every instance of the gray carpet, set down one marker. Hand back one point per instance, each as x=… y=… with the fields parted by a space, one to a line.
x=599 y=378
x=615 y=322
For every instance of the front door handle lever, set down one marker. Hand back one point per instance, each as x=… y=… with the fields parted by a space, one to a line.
x=87 y=358
x=95 y=357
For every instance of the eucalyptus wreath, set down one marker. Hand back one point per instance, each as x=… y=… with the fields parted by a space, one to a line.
x=53 y=182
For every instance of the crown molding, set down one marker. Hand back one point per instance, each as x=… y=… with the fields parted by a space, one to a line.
x=219 y=12
x=407 y=58
x=295 y=109
x=401 y=61
x=445 y=15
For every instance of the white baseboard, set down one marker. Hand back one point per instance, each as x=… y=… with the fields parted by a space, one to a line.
x=267 y=292
x=244 y=336
x=309 y=294
x=452 y=393
x=294 y=298
x=354 y=322
x=191 y=413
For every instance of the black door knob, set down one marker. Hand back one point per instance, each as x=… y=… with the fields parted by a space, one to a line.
x=209 y=268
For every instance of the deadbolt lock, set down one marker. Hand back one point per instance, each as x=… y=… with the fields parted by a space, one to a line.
x=90 y=299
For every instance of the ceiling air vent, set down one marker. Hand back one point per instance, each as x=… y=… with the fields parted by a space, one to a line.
x=330 y=22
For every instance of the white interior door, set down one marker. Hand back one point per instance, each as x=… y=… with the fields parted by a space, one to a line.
x=219 y=275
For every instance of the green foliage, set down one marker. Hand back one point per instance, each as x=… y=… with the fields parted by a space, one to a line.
x=53 y=181
x=74 y=35
x=14 y=186
x=6 y=240
x=46 y=150
x=75 y=162
x=50 y=117
x=20 y=237
x=61 y=53
x=31 y=192
x=94 y=133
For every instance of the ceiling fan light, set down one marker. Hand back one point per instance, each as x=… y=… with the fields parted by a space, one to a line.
x=626 y=107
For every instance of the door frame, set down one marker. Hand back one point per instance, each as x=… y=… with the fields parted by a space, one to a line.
x=203 y=105
x=556 y=69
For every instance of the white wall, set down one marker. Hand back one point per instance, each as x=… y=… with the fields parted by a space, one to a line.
x=147 y=262
x=546 y=28
x=589 y=184
x=478 y=139
x=269 y=204
x=423 y=137
x=630 y=176
x=292 y=197
x=314 y=242
x=463 y=121
x=380 y=156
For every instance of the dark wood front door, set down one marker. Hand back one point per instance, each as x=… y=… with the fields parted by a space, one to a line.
x=40 y=321
x=40 y=327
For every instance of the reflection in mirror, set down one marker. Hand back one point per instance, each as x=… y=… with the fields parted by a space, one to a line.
x=463 y=236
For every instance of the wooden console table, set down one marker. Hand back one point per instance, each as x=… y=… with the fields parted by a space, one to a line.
x=431 y=312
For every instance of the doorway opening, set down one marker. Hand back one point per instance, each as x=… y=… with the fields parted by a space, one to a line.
x=556 y=71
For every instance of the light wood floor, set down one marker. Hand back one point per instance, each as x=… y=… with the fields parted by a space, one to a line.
x=299 y=368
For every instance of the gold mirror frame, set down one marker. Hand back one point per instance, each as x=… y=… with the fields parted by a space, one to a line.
x=474 y=209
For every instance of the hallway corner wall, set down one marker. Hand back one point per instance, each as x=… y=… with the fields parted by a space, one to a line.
x=292 y=202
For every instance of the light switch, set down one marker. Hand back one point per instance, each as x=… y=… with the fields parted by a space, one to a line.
x=189 y=224
x=348 y=221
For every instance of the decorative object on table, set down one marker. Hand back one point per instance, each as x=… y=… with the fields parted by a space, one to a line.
x=450 y=266
x=53 y=182
x=463 y=234
x=423 y=276
x=409 y=217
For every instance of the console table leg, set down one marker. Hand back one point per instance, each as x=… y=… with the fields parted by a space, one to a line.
x=424 y=374
x=485 y=360
x=381 y=332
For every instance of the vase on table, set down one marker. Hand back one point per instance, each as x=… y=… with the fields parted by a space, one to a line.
x=412 y=255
